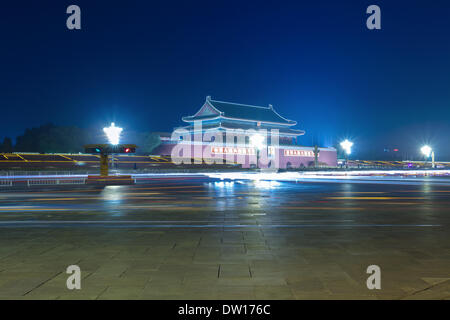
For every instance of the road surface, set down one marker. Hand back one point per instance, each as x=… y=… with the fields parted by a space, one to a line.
x=211 y=239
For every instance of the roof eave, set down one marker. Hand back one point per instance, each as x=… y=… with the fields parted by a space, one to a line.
x=192 y=118
x=291 y=123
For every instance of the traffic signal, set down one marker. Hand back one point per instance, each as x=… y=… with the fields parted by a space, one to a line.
x=92 y=150
x=109 y=148
x=125 y=149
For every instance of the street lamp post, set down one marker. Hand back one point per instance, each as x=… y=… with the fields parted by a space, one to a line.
x=433 y=164
x=427 y=151
x=347 y=146
x=257 y=141
x=316 y=151
x=113 y=135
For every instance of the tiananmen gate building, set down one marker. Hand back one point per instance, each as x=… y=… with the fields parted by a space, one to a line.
x=243 y=134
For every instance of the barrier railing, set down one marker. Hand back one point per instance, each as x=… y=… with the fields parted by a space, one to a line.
x=42 y=182
x=44 y=173
x=5 y=183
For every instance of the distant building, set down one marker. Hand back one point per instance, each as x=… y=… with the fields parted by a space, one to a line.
x=227 y=129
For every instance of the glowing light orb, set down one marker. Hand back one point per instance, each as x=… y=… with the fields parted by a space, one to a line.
x=426 y=150
x=257 y=141
x=347 y=146
x=113 y=133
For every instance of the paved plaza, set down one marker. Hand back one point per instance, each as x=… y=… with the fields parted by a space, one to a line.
x=208 y=239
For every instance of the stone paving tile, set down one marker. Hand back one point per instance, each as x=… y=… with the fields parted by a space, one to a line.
x=343 y=286
x=86 y=293
x=121 y=292
x=311 y=295
x=233 y=259
x=163 y=288
x=247 y=281
x=139 y=281
x=46 y=292
x=313 y=284
x=235 y=292
x=159 y=278
x=143 y=265
x=110 y=270
x=206 y=258
x=19 y=284
x=234 y=271
x=275 y=273
x=274 y=293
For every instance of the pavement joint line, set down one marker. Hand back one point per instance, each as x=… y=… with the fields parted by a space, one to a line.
x=115 y=255
x=123 y=272
x=427 y=288
x=103 y=291
x=47 y=250
x=12 y=254
x=44 y=282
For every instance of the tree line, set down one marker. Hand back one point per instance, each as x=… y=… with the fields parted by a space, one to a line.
x=50 y=138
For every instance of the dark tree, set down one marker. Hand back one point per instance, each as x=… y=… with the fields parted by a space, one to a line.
x=149 y=142
x=52 y=139
x=6 y=146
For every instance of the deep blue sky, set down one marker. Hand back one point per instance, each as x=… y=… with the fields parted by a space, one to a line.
x=145 y=64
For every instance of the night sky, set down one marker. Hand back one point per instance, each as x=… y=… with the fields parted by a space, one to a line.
x=145 y=64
